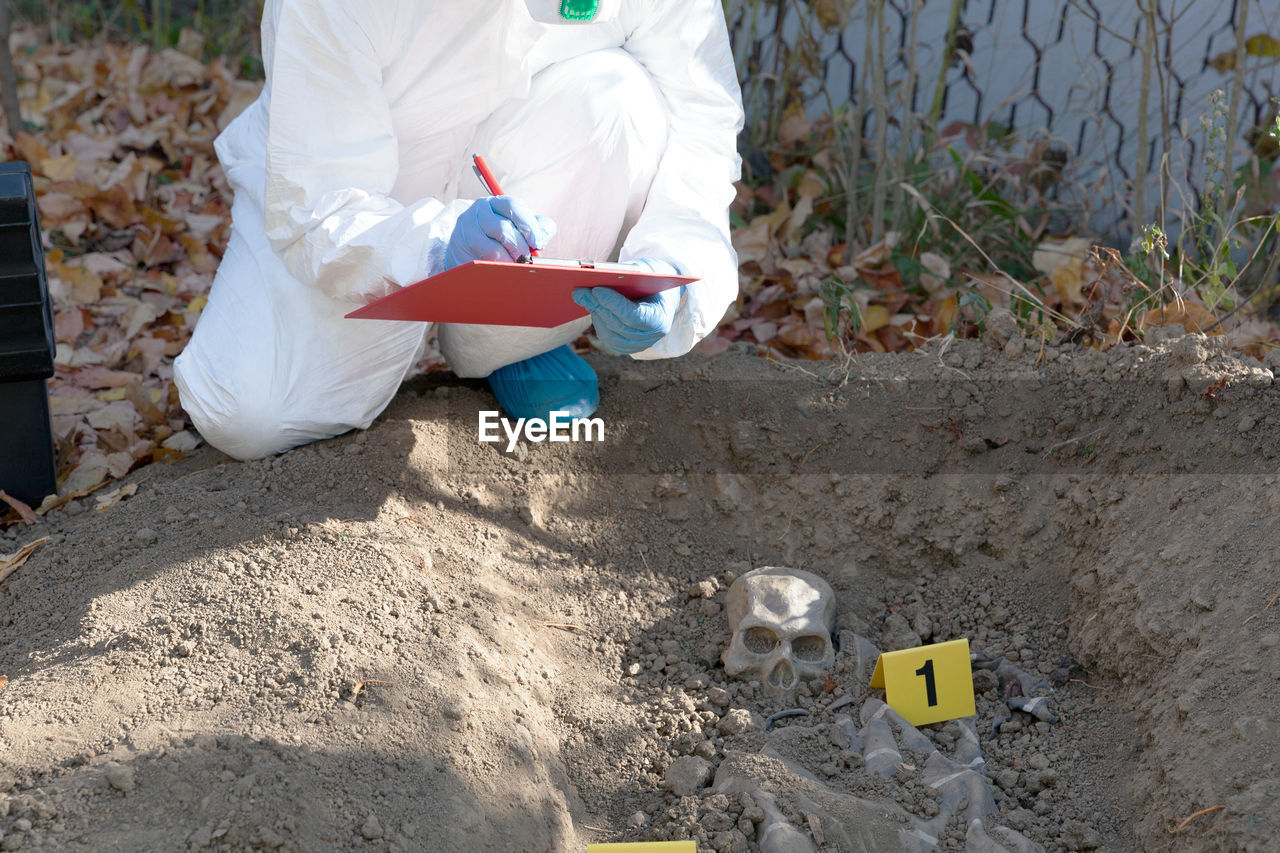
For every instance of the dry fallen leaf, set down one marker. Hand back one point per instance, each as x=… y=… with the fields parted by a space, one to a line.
x=181 y=442
x=140 y=212
x=113 y=497
x=9 y=563
x=795 y=125
x=25 y=512
x=1063 y=261
x=833 y=15
x=875 y=318
x=936 y=272
x=1189 y=315
x=59 y=168
x=1252 y=336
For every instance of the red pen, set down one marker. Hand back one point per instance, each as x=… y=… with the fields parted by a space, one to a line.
x=491 y=184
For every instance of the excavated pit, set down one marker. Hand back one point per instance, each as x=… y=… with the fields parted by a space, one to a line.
x=406 y=639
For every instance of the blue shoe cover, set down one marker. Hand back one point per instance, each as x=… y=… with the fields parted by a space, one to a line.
x=557 y=380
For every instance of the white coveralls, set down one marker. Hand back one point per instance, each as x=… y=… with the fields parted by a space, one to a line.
x=351 y=168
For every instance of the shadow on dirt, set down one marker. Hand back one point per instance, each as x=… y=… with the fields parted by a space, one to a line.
x=227 y=791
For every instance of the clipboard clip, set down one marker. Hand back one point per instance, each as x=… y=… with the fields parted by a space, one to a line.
x=575 y=263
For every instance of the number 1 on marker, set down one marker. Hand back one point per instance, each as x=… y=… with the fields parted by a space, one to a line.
x=929 y=685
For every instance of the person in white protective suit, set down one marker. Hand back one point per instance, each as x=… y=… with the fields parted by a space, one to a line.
x=610 y=124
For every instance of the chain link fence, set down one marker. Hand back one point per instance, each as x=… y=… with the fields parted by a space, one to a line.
x=1118 y=88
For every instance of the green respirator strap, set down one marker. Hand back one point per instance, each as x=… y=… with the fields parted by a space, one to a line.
x=578 y=10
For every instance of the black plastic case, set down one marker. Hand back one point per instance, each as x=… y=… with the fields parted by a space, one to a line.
x=26 y=344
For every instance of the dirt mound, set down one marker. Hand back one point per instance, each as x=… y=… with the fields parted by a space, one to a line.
x=405 y=639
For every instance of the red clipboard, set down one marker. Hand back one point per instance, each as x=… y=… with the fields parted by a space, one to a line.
x=493 y=293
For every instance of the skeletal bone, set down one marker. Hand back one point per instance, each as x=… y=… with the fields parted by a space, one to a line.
x=962 y=782
x=864 y=654
x=781 y=621
x=879 y=749
x=780 y=615
x=844 y=734
x=912 y=738
x=1019 y=689
x=1005 y=840
x=963 y=788
x=776 y=833
x=849 y=823
x=1009 y=674
x=1036 y=706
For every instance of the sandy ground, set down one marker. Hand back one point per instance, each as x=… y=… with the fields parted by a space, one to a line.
x=406 y=640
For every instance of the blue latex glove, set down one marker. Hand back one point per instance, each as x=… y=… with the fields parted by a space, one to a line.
x=500 y=228
x=628 y=326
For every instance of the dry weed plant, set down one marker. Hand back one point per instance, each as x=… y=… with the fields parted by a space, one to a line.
x=991 y=204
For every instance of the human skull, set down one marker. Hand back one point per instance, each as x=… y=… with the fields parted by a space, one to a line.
x=782 y=621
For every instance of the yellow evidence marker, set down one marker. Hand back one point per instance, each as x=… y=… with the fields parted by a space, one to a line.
x=928 y=684
x=650 y=847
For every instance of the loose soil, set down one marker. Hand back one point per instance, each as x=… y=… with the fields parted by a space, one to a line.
x=404 y=639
